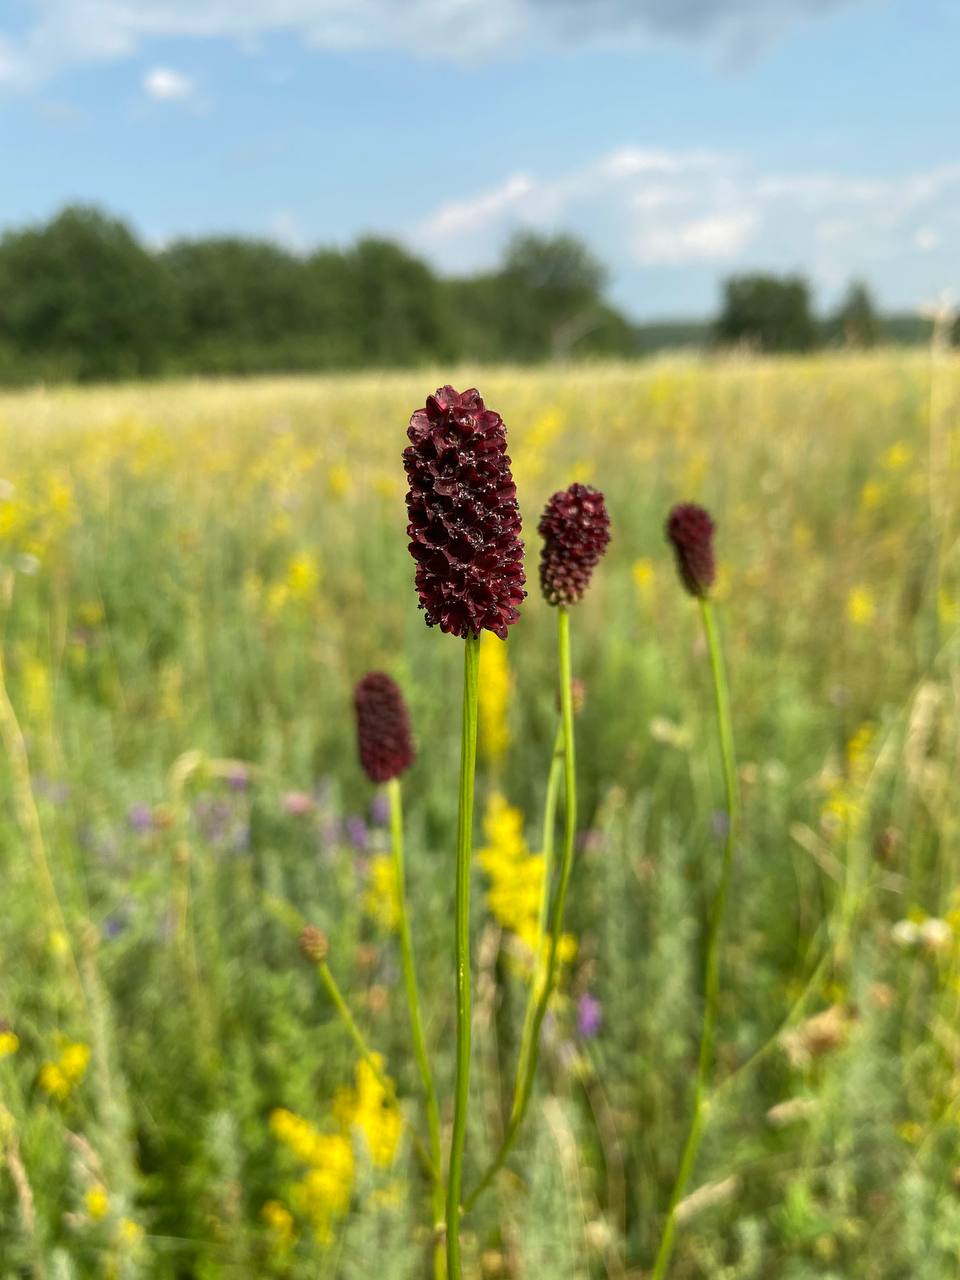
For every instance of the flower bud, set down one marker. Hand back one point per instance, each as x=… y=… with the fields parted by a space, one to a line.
x=690 y=531
x=575 y=528
x=383 y=727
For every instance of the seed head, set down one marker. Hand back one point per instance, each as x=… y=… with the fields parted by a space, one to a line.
x=464 y=518
x=575 y=528
x=690 y=531
x=383 y=727
x=314 y=944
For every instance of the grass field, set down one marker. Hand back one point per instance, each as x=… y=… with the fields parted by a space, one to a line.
x=194 y=577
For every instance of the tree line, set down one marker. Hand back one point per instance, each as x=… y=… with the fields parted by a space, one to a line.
x=81 y=298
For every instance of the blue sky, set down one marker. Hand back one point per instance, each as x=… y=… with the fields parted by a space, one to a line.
x=683 y=139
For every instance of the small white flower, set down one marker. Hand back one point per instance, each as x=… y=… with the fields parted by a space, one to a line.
x=7 y=490
x=904 y=934
x=936 y=935
x=27 y=564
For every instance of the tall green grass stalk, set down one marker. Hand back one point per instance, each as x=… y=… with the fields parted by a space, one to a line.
x=468 y=767
x=527 y=1070
x=416 y=1017
x=712 y=964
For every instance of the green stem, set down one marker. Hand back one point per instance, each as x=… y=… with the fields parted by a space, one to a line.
x=549 y=823
x=468 y=766
x=413 y=1006
x=356 y=1035
x=525 y=1081
x=712 y=965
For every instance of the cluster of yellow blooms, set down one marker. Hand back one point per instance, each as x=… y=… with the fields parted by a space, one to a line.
x=60 y=1078
x=516 y=876
x=843 y=805
x=496 y=683
x=322 y=1194
x=382 y=899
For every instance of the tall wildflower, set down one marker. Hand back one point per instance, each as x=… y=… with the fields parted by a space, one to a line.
x=690 y=530
x=575 y=528
x=464 y=529
x=386 y=750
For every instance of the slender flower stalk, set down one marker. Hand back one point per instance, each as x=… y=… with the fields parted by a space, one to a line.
x=527 y=1070
x=413 y=1006
x=575 y=528
x=385 y=747
x=468 y=766
x=539 y=968
x=691 y=531
x=313 y=944
x=464 y=529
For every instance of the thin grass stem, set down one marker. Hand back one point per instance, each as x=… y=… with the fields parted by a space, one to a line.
x=701 y=1102
x=526 y=1079
x=468 y=766
x=414 y=1010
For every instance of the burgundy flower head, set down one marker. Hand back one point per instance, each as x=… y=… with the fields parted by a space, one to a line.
x=690 y=530
x=464 y=518
x=576 y=529
x=383 y=727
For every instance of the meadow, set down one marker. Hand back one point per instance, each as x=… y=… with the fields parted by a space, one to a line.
x=193 y=578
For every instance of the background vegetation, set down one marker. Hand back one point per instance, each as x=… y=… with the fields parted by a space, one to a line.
x=82 y=299
x=195 y=576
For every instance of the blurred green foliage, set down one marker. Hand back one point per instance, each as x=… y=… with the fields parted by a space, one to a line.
x=200 y=573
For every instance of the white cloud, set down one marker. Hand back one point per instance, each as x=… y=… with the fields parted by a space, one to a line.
x=477 y=213
x=75 y=32
x=645 y=209
x=166 y=85
x=718 y=238
x=926 y=239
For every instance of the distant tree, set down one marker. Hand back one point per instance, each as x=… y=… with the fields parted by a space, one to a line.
x=80 y=297
x=397 y=307
x=855 y=323
x=550 y=295
x=771 y=313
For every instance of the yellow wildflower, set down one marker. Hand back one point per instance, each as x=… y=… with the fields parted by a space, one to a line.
x=338 y=480
x=516 y=877
x=280 y=1221
x=382 y=899
x=375 y=1113
x=897 y=456
x=303 y=576
x=9 y=1043
x=129 y=1233
x=643 y=575
x=59 y=1078
x=97 y=1202
x=495 y=687
x=861 y=606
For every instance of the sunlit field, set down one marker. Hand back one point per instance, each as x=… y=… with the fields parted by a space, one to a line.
x=195 y=575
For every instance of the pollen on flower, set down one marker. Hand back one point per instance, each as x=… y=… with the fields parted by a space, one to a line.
x=464 y=520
